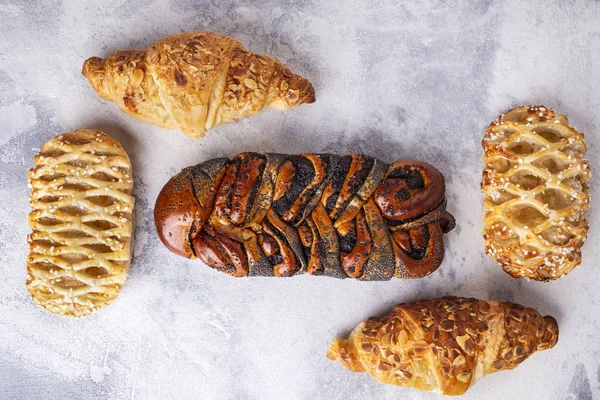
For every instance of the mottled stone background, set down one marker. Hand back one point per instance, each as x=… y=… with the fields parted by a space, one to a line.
x=395 y=79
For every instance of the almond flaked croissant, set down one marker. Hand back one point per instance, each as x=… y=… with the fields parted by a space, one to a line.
x=282 y=215
x=194 y=81
x=536 y=193
x=445 y=345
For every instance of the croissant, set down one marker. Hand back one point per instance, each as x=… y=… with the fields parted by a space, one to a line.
x=535 y=184
x=194 y=81
x=282 y=215
x=445 y=345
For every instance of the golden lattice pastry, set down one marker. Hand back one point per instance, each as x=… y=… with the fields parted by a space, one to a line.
x=80 y=245
x=536 y=193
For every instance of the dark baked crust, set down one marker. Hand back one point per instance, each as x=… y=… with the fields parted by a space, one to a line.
x=282 y=215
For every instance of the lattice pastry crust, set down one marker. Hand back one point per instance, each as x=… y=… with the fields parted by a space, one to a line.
x=535 y=193
x=81 y=221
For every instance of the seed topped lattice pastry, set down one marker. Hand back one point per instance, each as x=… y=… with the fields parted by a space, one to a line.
x=80 y=245
x=536 y=193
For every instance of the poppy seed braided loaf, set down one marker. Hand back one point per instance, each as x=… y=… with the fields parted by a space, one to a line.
x=281 y=215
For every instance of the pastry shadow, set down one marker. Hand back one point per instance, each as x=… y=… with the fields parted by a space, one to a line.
x=381 y=146
x=529 y=294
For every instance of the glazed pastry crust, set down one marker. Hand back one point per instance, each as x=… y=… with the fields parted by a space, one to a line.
x=194 y=81
x=282 y=215
x=535 y=193
x=81 y=221
x=445 y=345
